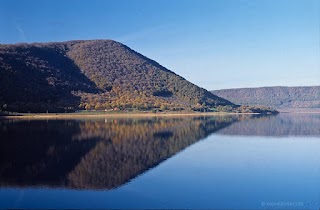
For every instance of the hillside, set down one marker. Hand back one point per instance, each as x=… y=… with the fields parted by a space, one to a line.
x=96 y=74
x=283 y=98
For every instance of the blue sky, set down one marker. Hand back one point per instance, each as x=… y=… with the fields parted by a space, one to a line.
x=215 y=44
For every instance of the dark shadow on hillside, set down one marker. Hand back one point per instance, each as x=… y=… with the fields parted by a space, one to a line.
x=49 y=88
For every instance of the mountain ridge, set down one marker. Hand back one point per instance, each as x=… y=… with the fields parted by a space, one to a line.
x=91 y=74
x=278 y=97
x=96 y=75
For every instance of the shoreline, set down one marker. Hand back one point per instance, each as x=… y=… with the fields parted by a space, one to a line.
x=93 y=115
x=117 y=115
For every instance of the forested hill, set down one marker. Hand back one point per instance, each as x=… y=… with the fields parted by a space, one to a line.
x=285 y=98
x=95 y=74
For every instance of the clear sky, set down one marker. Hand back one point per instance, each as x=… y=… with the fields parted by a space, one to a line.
x=213 y=43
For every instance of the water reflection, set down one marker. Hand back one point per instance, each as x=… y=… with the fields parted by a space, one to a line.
x=94 y=154
x=277 y=126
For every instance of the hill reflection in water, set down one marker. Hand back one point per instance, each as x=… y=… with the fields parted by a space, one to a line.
x=277 y=126
x=94 y=154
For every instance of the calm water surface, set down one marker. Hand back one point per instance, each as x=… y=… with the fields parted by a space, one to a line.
x=222 y=162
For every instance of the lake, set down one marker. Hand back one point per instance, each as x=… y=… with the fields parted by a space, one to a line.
x=216 y=162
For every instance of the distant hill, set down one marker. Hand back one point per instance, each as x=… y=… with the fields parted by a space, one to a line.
x=95 y=74
x=283 y=98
